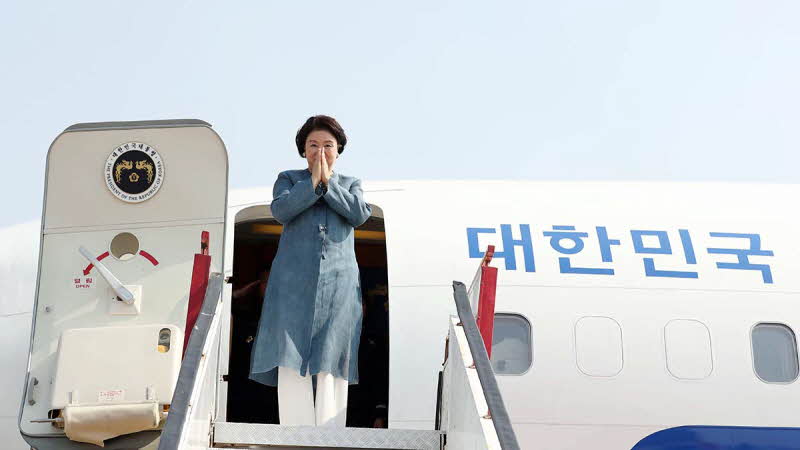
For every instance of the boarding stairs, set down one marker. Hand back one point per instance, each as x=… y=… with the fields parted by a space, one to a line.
x=470 y=411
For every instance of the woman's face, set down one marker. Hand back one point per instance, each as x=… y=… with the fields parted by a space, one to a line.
x=321 y=140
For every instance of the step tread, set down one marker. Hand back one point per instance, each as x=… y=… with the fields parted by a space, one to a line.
x=248 y=434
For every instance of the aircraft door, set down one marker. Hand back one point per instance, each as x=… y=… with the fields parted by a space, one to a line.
x=125 y=205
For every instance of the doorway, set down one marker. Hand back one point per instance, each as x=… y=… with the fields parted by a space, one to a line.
x=256 y=237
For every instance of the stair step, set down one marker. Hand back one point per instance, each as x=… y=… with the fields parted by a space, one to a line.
x=232 y=434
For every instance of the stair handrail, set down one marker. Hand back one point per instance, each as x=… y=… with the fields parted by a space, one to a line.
x=179 y=410
x=491 y=391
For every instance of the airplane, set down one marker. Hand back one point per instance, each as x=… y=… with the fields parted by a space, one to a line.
x=635 y=315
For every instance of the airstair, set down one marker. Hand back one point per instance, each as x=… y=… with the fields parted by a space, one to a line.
x=470 y=410
x=122 y=357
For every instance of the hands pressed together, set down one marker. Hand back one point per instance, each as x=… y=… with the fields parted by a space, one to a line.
x=321 y=166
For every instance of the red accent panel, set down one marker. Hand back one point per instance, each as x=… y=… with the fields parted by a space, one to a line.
x=149 y=257
x=197 y=291
x=486 y=299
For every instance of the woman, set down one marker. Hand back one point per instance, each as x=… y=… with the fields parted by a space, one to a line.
x=311 y=319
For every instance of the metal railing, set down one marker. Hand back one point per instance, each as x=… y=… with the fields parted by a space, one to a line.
x=188 y=381
x=491 y=392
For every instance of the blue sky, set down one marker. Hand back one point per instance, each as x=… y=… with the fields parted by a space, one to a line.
x=573 y=90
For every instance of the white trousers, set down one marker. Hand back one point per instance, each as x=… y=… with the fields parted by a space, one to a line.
x=296 y=405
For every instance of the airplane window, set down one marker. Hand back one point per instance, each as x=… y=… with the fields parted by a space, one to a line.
x=512 y=351
x=164 y=340
x=688 y=346
x=774 y=353
x=598 y=344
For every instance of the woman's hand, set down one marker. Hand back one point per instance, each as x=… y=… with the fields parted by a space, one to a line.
x=331 y=158
x=327 y=169
x=316 y=168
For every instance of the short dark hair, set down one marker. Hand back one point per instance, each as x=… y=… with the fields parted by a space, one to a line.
x=319 y=122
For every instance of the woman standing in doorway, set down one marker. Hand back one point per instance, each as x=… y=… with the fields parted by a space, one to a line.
x=311 y=319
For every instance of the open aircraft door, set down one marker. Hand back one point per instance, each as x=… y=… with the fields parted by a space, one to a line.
x=126 y=205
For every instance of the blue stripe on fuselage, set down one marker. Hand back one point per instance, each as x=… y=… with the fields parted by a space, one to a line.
x=722 y=438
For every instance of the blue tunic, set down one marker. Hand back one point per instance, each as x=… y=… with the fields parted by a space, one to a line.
x=311 y=318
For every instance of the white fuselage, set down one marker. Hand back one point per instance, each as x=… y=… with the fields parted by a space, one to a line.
x=627 y=337
x=616 y=356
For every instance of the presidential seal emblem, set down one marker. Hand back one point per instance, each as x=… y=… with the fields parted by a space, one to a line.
x=134 y=172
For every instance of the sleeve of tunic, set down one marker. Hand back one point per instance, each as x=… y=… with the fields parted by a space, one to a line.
x=289 y=201
x=350 y=203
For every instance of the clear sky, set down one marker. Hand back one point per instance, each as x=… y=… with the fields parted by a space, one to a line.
x=575 y=90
